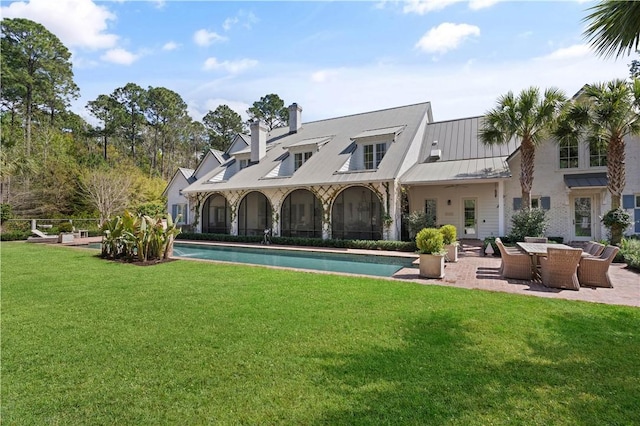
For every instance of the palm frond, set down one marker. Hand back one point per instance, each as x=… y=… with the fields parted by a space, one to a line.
x=613 y=27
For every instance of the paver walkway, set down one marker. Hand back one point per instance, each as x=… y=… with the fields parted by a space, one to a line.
x=476 y=271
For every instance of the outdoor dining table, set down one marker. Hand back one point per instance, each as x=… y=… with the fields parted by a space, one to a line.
x=538 y=249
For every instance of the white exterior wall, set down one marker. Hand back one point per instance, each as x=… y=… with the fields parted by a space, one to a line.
x=209 y=162
x=549 y=181
x=174 y=197
x=633 y=176
x=487 y=205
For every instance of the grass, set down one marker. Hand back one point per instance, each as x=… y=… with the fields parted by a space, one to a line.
x=86 y=341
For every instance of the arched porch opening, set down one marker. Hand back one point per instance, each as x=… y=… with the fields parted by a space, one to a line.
x=216 y=215
x=301 y=215
x=357 y=214
x=254 y=214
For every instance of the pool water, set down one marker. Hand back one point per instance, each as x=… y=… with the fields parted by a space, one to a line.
x=381 y=266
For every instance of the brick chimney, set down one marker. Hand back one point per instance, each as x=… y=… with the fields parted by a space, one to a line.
x=258 y=140
x=295 y=118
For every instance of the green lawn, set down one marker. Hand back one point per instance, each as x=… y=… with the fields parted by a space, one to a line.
x=86 y=341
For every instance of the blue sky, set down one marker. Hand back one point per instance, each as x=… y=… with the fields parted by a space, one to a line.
x=332 y=58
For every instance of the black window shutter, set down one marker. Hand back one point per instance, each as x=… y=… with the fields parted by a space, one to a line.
x=546 y=203
x=627 y=201
x=517 y=203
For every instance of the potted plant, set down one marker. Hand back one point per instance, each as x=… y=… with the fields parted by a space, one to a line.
x=66 y=232
x=431 y=248
x=449 y=235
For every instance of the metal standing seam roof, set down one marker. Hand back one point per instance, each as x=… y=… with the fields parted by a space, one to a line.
x=463 y=156
x=586 y=180
x=323 y=166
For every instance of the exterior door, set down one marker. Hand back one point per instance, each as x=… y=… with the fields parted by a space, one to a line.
x=582 y=225
x=470 y=218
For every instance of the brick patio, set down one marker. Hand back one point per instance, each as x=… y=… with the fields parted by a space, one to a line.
x=476 y=271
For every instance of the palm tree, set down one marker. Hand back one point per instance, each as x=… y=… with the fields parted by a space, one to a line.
x=527 y=117
x=604 y=113
x=614 y=27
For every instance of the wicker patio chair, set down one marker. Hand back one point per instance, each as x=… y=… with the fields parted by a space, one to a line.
x=536 y=240
x=559 y=268
x=594 y=271
x=588 y=247
x=596 y=249
x=514 y=264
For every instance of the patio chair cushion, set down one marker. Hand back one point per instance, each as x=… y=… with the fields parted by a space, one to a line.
x=559 y=268
x=594 y=271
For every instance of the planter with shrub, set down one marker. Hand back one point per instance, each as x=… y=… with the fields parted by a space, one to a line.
x=430 y=245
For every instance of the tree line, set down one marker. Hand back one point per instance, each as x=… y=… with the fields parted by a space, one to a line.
x=50 y=155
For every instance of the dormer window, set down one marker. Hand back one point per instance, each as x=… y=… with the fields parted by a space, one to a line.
x=300 y=158
x=373 y=155
x=243 y=164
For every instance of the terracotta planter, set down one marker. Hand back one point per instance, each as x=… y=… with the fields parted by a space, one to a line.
x=432 y=265
x=452 y=252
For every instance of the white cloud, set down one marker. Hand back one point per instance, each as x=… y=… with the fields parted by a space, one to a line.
x=171 y=45
x=482 y=4
x=422 y=7
x=119 y=56
x=205 y=38
x=233 y=67
x=228 y=23
x=323 y=76
x=77 y=23
x=571 y=52
x=446 y=36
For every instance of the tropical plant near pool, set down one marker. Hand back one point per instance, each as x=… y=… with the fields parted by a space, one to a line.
x=138 y=237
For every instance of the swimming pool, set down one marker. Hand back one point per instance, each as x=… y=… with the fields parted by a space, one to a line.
x=380 y=266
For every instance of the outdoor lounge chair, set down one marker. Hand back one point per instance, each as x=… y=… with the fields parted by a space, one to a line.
x=559 y=268
x=536 y=240
x=514 y=264
x=41 y=237
x=594 y=271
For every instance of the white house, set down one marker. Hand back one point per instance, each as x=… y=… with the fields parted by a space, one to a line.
x=346 y=177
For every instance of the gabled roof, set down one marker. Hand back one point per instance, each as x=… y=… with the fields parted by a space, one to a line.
x=461 y=156
x=187 y=173
x=183 y=172
x=323 y=167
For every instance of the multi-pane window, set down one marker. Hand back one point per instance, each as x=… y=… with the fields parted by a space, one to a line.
x=597 y=154
x=431 y=211
x=179 y=213
x=568 y=155
x=373 y=155
x=300 y=158
x=244 y=164
x=535 y=203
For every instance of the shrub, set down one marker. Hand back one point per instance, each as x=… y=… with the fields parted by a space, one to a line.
x=528 y=223
x=5 y=212
x=307 y=242
x=14 y=235
x=65 y=227
x=430 y=241
x=449 y=234
x=416 y=221
x=138 y=237
x=616 y=221
x=630 y=249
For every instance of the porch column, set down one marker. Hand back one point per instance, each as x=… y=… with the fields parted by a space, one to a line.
x=501 y=221
x=326 y=221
